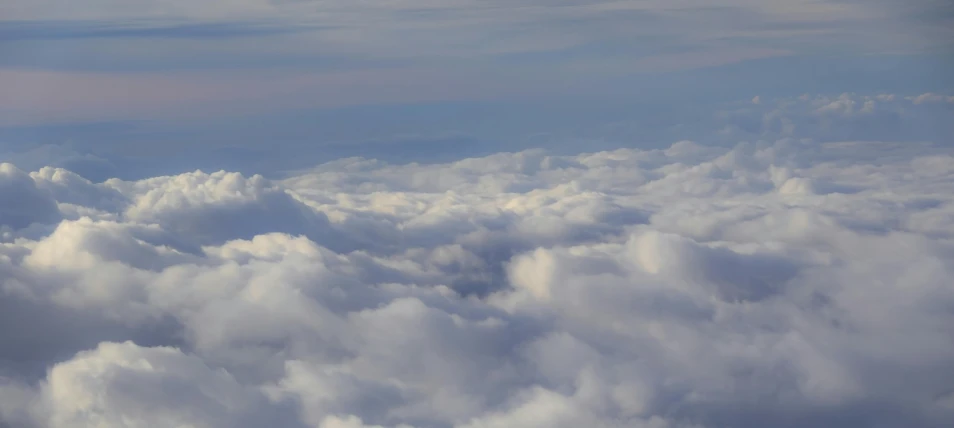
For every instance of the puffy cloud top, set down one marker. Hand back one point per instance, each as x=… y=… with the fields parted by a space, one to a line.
x=784 y=284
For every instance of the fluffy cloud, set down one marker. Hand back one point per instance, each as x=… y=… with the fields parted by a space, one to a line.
x=23 y=202
x=211 y=208
x=769 y=284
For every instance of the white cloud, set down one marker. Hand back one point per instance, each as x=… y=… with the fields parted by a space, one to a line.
x=22 y=203
x=122 y=384
x=784 y=284
x=931 y=98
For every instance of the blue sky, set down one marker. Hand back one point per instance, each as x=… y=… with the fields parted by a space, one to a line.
x=167 y=76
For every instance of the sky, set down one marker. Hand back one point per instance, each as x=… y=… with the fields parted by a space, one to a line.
x=476 y=214
x=152 y=79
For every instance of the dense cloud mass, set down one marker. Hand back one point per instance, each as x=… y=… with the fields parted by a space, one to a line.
x=785 y=284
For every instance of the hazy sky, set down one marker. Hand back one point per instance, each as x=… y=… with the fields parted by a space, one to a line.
x=154 y=76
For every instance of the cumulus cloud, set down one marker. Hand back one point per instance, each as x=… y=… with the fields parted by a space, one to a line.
x=792 y=283
x=23 y=202
x=212 y=208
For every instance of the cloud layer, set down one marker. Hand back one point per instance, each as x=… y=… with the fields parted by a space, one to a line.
x=447 y=133
x=784 y=284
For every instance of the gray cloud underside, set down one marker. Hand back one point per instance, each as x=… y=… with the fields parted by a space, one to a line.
x=782 y=284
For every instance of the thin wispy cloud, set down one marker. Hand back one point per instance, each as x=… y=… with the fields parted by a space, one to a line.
x=582 y=41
